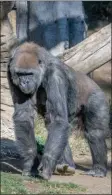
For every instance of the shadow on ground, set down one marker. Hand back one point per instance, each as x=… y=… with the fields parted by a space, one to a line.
x=12 y=162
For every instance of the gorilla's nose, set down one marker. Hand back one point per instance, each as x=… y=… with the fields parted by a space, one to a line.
x=25 y=82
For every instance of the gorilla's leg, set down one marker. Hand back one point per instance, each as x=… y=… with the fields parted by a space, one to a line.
x=96 y=128
x=56 y=37
x=24 y=130
x=66 y=165
x=49 y=38
x=77 y=30
x=63 y=36
x=58 y=133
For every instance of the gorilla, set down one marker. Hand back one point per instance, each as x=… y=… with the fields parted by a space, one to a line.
x=41 y=82
x=55 y=25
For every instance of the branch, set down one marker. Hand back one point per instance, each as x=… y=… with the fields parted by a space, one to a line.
x=90 y=54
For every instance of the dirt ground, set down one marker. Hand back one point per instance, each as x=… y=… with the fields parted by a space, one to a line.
x=93 y=185
x=11 y=162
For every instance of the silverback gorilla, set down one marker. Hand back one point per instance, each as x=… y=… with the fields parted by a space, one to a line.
x=55 y=25
x=40 y=81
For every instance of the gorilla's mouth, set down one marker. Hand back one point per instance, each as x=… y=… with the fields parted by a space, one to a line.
x=27 y=89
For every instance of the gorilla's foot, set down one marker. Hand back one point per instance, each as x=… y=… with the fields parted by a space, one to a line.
x=44 y=172
x=97 y=171
x=27 y=174
x=64 y=169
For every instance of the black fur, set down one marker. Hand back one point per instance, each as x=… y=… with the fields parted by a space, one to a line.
x=61 y=95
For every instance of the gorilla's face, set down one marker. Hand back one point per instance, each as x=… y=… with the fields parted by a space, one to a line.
x=27 y=70
x=27 y=82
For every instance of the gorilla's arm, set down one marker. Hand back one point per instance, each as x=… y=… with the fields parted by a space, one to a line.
x=58 y=128
x=77 y=31
x=24 y=126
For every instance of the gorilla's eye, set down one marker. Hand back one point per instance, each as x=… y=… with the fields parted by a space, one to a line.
x=39 y=61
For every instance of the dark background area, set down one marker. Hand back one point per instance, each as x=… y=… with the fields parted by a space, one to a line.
x=98 y=13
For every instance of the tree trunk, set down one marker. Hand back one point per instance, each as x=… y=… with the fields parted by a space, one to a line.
x=8 y=41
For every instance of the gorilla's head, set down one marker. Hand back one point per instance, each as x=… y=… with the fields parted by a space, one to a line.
x=26 y=68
